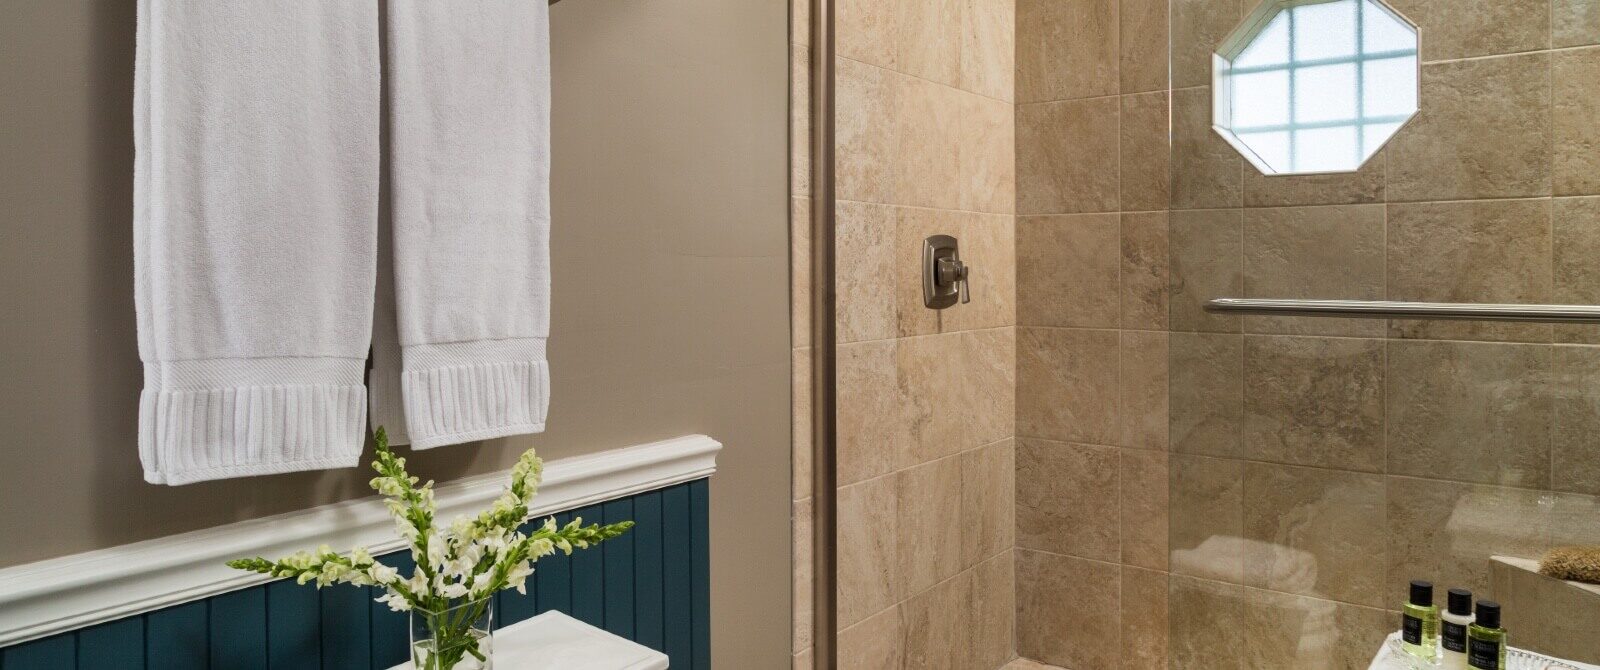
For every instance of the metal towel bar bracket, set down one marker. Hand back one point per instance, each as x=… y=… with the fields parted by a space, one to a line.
x=1382 y=309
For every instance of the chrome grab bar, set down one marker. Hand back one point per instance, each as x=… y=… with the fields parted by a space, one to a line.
x=1383 y=309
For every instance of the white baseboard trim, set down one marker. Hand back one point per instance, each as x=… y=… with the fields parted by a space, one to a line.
x=61 y=594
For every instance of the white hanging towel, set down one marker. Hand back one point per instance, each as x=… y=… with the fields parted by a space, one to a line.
x=256 y=237
x=469 y=86
x=255 y=219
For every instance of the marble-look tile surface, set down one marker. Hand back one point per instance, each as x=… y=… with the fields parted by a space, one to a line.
x=1575 y=434
x=927 y=149
x=1068 y=270
x=1067 y=384
x=1145 y=152
x=1446 y=531
x=987 y=152
x=1487 y=251
x=1574 y=22
x=875 y=643
x=1207 y=397
x=1315 y=401
x=1066 y=615
x=1575 y=76
x=1484 y=132
x=936 y=625
x=1144 y=619
x=1206 y=619
x=1469 y=411
x=1207 y=517
x=1467 y=28
x=1066 y=50
x=928 y=545
x=988 y=48
x=1055 y=141
x=866 y=105
x=989 y=248
x=1207 y=172
x=1206 y=252
x=1328 y=253
x=1146 y=278
x=1144 y=504
x=869 y=577
x=801 y=581
x=867 y=31
x=1315 y=532
x=1367 y=185
x=930 y=39
x=1575 y=228
x=874 y=429
x=988 y=501
x=1198 y=28
x=1067 y=499
x=994 y=612
x=1143 y=43
x=1144 y=393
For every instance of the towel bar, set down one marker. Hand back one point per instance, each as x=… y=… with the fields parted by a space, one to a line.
x=1382 y=309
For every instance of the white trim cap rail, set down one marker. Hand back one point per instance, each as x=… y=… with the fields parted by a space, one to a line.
x=61 y=594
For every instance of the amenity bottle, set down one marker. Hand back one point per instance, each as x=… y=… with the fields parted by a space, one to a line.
x=1486 y=640
x=1453 y=630
x=1419 y=622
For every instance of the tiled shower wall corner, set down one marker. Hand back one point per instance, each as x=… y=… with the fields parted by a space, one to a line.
x=1377 y=451
x=926 y=399
x=1092 y=278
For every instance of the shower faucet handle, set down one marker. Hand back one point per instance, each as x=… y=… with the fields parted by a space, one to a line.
x=945 y=278
x=953 y=272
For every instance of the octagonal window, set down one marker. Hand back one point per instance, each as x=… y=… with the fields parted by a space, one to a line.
x=1312 y=86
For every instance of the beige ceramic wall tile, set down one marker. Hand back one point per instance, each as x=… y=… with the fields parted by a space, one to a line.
x=1576 y=77
x=1446 y=532
x=800 y=424
x=1315 y=532
x=1575 y=437
x=989 y=248
x=936 y=625
x=914 y=226
x=1207 y=517
x=1572 y=519
x=1067 y=499
x=929 y=545
x=1486 y=251
x=1467 y=28
x=1315 y=401
x=1066 y=384
x=988 y=501
x=875 y=428
x=1575 y=224
x=1198 y=28
x=1066 y=157
x=932 y=380
x=988 y=48
x=867 y=31
x=1143 y=481
x=928 y=145
x=869 y=578
x=1484 y=132
x=874 y=644
x=801 y=583
x=1366 y=185
x=1145 y=276
x=1066 y=50
x=800 y=271
x=1144 y=391
x=994 y=612
x=1288 y=631
x=1470 y=412
x=1206 y=262
x=1066 y=610
x=1145 y=153
x=1207 y=404
x=1143 y=40
x=1068 y=270
x=804 y=660
x=988 y=377
x=799 y=120
x=1575 y=22
x=987 y=151
x=1206 y=171
x=1144 y=619
x=931 y=39
x=867 y=104
x=1330 y=253
x=867 y=293
x=800 y=21
x=1205 y=628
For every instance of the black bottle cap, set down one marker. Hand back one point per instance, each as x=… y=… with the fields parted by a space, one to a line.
x=1421 y=592
x=1488 y=614
x=1460 y=601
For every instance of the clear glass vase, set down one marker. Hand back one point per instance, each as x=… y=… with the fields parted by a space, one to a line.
x=458 y=638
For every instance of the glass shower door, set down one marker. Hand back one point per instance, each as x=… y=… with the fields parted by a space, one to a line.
x=1324 y=455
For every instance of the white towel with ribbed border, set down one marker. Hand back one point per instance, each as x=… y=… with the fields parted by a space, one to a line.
x=469 y=147
x=255 y=229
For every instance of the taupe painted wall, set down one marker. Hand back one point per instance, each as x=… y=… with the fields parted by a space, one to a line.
x=670 y=314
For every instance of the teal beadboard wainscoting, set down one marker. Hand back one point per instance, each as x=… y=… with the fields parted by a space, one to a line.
x=651 y=585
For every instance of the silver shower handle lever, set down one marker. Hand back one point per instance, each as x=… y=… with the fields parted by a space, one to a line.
x=953 y=272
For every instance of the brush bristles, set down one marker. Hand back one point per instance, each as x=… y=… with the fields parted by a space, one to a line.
x=1579 y=564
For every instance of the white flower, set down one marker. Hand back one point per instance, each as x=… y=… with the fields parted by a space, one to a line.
x=395 y=601
x=518 y=577
x=453 y=591
x=383 y=574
